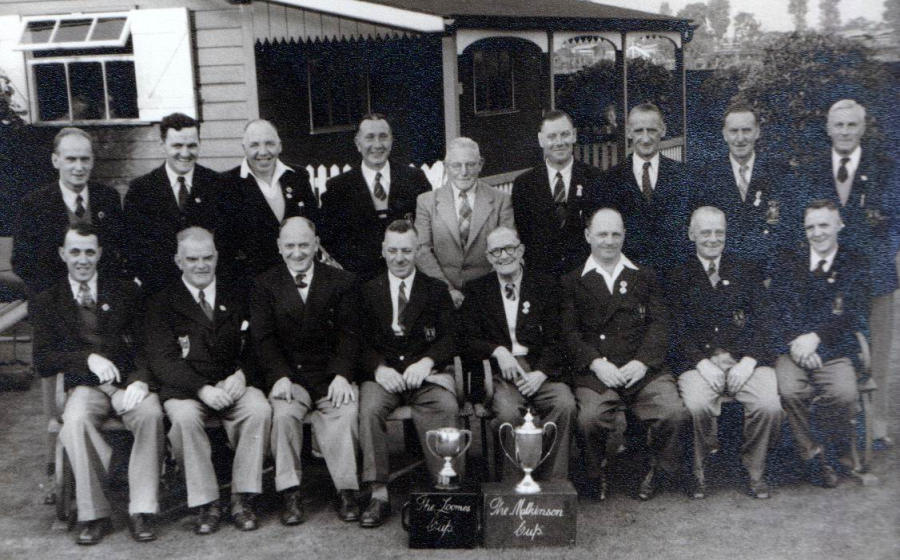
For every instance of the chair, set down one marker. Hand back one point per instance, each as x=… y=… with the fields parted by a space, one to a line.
x=866 y=387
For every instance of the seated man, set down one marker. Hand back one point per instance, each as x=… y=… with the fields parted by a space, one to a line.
x=407 y=338
x=719 y=342
x=195 y=345
x=303 y=320
x=88 y=328
x=513 y=317
x=822 y=295
x=615 y=326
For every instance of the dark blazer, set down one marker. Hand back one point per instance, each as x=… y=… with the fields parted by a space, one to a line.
x=152 y=220
x=550 y=246
x=834 y=306
x=872 y=213
x=251 y=229
x=40 y=230
x=351 y=231
x=186 y=350
x=537 y=326
x=619 y=327
x=309 y=343
x=763 y=224
x=730 y=317
x=655 y=231
x=62 y=342
x=429 y=326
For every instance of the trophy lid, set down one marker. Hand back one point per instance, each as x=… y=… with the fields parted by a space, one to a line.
x=528 y=427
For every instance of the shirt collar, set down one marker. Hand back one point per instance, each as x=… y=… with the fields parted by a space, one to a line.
x=565 y=171
x=854 y=156
x=75 y=285
x=209 y=292
x=395 y=282
x=173 y=176
x=705 y=262
x=517 y=282
x=637 y=163
x=280 y=169
x=308 y=275
x=70 y=196
x=815 y=258
x=470 y=194
x=369 y=175
x=736 y=165
x=592 y=264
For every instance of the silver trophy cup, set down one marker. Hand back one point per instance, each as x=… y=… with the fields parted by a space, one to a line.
x=529 y=444
x=448 y=443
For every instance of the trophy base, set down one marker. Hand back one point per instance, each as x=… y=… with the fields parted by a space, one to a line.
x=528 y=486
x=443 y=519
x=512 y=519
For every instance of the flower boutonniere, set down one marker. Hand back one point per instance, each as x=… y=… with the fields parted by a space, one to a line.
x=526 y=307
x=623 y=287
x=105 y=307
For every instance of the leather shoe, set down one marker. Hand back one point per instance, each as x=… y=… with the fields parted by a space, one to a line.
x=759 y=489
x=208 y=519
x=829 y=476
x=245 y=519
x=293 y=513
x=92 y=532
x=698 y=488
x=348 y=505
x=375 y=513
x=648 y=485
x=140 y=525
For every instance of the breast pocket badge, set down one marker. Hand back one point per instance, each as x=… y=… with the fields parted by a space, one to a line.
x=739 y=318
x=837 y=308
x=773 y=212
x=185 y=343
x=430 y=334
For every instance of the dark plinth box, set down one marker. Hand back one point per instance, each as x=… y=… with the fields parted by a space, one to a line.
x=525 y=520
x=443 y=518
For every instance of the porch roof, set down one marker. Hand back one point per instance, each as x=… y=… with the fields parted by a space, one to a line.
x=523 y=8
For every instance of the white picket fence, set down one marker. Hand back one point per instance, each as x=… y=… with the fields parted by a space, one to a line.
x=319 y=175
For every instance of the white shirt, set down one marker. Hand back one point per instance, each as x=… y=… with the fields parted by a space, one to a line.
x=457 y=202
x=814 y=259
x=307 y=278
x=511 y=308
x=75 y=285
x=70 y=197
x=271 y=191
x=637 y=167
x=736 y=169
x=369 y=175
x=173 y=180
x=566 y=173
x=705 y=263
x=854 y=156
x=610 y=279
x=209 y=292
x=394 y=285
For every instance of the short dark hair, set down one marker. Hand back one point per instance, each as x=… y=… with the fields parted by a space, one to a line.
x=820 y=203
x=177 y=121
x=83 y=229
x=647 y=107
x=373 y=117
x=556 y=114
x=401 y=226
x=741 y=106
x=71 y=131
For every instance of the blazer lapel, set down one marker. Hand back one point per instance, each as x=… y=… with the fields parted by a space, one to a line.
x=484 y=205
x=383 y=306
x=417 y=299
x=289 y=296
x=594 y=284
x=226 y=306
x=446 y=209
x=68 y=309
x=364 y=196
x=318 y=293
x=184 y=303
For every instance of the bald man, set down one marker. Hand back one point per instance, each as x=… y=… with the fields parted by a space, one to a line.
x=304 y=325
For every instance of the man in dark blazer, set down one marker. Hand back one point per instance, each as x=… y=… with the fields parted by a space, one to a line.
x=88 y=327
x=867 y=193
x=552 y=202
x=196 y=349
x=615 y=326
x=823 y=296
x=176 y=195
x=512 y=317
x=753 y=189
x=358 y=205
x=407 y=334
x=303 y=320
x=259 y=195
x=45 y=214
x=652 y=192
x=720 y=345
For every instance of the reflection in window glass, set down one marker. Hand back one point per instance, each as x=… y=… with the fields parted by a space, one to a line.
x=86 y=79
x=108 y=29
x=121 y=90
x=37 y=32
x=52 y=97
x=71 y=30
x=494 y=80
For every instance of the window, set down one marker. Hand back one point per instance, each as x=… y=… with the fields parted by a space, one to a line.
x=74 y=31
x=494 y=81
x=338 y=90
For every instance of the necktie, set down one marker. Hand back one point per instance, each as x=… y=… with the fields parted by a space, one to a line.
x=204 y=305
x=559 y=198
x=84 y=296
x=713 y=274
x=401 y=303
x=842 y=173
x=465 y=218
x=743 y=185
x=182 y=193
x=509 y=290
x=820 y=268
x=379 y=188
x=646 y=187
x=79 y=206
x=300 y=282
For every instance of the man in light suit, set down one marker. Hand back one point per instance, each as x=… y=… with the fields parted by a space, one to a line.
x=196 y=349
x=304 y=325
x=358 y=205
x=88 y=327
x=453 y=221
x=552 y=202
x=178 y=194
x=45 y=214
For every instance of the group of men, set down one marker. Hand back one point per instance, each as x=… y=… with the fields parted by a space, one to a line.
x=253 y=303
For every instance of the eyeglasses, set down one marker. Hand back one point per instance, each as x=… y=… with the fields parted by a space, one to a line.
x=469 y=165
x=499 y=251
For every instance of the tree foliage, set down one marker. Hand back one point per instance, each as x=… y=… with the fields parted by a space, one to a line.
x=665 y=9
x=892 y=13
x=746 y=28
x=719 y=16
x=798 y=9
x=829 y=16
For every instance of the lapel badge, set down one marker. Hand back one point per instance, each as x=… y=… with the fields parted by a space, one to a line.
x=105 y=307
x=862 y=200
x=198 y=200
x=863 y=178
x=725 y=282
x=838 y=307
x=430 y=334
x=832 y=277
x=773 y=212
x=739 y=318
x=101 y=215
x=642 y=311
x=526 y=307
x=758 y=200
x=245 y=325
x=623 y=287
x=289 y=190
x=221 y=308
x=300 y=204
x=578 y=190
x=185 y=343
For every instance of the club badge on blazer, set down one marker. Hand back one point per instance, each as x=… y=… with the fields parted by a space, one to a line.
x=739 y=318
x=185 y=343
x=773 y=212
x=430 y=334
x=837 y=308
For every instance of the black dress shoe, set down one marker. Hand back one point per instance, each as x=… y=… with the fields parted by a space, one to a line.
x=245 y=519
x=293 y=513
x=208 y=519
x=348 y=505
x=648 y=485
x=375 y=513
x=140 y=525
x=93 y=531
x=598 y=488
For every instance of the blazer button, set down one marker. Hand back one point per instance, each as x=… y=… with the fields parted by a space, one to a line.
x=402 y=358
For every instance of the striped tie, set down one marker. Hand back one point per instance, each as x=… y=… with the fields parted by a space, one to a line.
x=465 y=218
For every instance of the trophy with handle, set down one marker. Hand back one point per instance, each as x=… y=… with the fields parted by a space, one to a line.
x=529 y=443
x=448 y=443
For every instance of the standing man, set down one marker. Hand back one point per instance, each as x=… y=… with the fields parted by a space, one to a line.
x=652 y=192
x=176 y=195
x=407 y=332
x=454 y=220
x=720 y=340
x=615 y=326
x=46 y=214
x=260 y=194
x=512 y=317
x=303 y=320
x=196 y=349
x=89 y=328
x=822 y=295
x=552 y=202
x=751 y=188
x=358 y=205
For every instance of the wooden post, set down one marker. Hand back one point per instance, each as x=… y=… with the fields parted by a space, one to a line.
x=450 y=67
x=680 y=70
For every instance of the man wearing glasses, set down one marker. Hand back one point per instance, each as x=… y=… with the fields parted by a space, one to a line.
x=512 y=317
